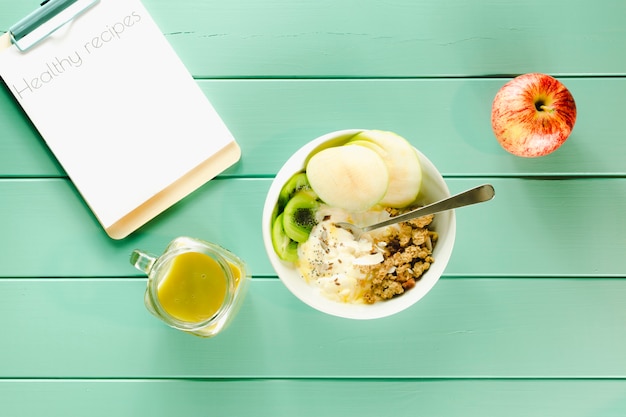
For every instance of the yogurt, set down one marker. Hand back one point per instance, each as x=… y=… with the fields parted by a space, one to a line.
x=331 y=258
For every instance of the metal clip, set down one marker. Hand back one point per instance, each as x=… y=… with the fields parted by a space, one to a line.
x=49 y=17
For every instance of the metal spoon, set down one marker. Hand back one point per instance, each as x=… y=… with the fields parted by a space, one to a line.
x=475 y=195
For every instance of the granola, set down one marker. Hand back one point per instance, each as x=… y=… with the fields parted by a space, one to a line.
x=407 y=251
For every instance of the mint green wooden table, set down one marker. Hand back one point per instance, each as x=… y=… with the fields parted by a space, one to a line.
x=529 y=319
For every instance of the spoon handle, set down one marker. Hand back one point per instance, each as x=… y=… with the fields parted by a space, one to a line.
x=475 y=195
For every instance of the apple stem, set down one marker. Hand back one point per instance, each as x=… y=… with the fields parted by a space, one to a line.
x=541 y=106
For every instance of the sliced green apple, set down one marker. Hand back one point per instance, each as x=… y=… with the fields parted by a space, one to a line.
x=403 y=164
x=351 y=177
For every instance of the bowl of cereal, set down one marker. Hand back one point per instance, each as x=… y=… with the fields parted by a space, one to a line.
x=362 y=177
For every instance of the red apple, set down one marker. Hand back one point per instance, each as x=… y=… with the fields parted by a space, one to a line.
x=532 y=115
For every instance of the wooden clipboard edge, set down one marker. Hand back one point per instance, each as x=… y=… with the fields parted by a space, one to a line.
x=175 y=192
x=5 y=41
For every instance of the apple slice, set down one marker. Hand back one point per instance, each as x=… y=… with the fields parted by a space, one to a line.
x=354 y=178
x=403 y=164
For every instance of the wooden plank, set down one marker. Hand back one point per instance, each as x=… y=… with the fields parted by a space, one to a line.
x=524 y=231
x=22 y=151
x=513 y=398
x=405 y=38
x=448 y=120
x=464 y=328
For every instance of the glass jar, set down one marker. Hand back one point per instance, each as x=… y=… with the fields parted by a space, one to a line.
x=193 y=286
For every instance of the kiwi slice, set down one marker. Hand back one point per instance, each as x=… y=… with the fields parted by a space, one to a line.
x=285 y=248
x=296 y=183
x=299 y=215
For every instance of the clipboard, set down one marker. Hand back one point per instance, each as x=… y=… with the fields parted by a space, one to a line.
x=116 y=106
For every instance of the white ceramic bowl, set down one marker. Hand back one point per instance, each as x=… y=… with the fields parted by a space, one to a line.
x=433 y=188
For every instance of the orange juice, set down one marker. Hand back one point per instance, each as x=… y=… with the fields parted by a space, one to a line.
x=195 y=287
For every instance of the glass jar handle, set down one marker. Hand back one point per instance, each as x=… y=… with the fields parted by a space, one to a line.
x=142 y=261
